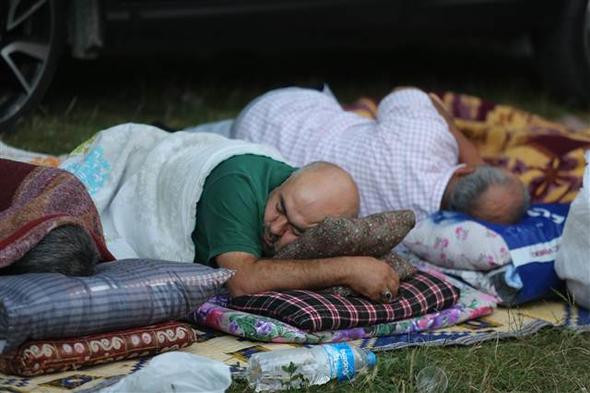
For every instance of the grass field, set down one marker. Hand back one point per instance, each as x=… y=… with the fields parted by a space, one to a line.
x=179 y=92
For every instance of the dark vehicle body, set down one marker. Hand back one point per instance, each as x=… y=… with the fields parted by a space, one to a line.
x=34 y=33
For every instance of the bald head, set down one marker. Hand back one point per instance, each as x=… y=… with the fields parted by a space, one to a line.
x=306 y=198
x=327 y=188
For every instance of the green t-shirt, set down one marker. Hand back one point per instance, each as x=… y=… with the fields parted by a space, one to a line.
x=231 y=208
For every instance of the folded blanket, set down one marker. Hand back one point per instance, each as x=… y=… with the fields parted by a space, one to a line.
x=215 y=314
x=146 y=184
x=312 y=311
x=35 y=200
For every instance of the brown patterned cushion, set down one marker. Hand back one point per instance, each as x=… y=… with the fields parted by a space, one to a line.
x=48 y=356
x=374 y=235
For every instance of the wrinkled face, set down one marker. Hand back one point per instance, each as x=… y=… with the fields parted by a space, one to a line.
x=284 y=220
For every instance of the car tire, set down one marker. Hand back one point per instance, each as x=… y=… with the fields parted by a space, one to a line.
x=563 y=53
x=32 y=36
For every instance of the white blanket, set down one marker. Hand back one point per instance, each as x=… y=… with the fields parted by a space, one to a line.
x=146 y=184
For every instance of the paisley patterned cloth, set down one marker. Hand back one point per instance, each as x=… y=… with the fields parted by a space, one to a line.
x=49 y=356
x=35 y=200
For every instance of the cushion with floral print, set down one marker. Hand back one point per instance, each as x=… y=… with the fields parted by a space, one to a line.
x=49 y=356
x=452 y=241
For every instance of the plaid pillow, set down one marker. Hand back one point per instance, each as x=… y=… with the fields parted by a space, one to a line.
x=122 y=294
x=312 y=311
x=49 y=356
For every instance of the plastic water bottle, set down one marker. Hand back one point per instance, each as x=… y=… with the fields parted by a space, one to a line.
x=295 y=368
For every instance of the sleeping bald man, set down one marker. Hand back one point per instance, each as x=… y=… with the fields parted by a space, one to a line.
x=252 y=206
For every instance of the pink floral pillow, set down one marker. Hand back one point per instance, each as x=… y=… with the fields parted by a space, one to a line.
x=457 y=243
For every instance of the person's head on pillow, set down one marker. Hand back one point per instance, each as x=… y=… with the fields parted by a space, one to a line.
x=487 y=193
x=67 y=249
x=309 y=195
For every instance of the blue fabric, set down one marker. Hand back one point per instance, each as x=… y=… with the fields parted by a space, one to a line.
x=533 y=245
x=122 y=294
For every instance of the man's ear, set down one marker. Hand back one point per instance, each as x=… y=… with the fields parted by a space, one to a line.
x=464 y=170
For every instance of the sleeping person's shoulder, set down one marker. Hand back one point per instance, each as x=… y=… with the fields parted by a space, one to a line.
x=260 y=169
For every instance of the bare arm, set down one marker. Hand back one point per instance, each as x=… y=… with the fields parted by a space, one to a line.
x=365 y=275
x=467 y=152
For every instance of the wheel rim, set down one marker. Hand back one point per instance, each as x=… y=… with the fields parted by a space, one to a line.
x=26 y=35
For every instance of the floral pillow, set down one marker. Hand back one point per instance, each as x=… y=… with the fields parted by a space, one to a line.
x=446 y=240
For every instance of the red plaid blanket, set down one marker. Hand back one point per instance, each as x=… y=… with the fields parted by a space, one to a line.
x=421 y=294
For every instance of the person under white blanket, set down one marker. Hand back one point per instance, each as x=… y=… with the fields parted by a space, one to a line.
x=227 y=203
x=409 y=157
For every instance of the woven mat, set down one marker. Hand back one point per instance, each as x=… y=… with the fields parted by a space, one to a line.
x=234 y=351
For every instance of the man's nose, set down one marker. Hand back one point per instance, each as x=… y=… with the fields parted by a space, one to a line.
x=279 y=226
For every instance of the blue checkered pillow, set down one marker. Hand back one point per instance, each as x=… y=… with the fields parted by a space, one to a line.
x=122 y=294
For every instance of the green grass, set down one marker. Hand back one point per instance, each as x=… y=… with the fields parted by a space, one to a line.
x=87 y=97
x=550 y=361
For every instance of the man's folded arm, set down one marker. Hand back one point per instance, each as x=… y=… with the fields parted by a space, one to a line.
x=366 y=275
x=468 y=154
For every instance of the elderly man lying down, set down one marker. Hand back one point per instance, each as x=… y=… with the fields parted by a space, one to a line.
x=410 y=157
x=221 y=202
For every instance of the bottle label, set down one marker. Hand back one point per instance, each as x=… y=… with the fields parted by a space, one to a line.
x=341 y=357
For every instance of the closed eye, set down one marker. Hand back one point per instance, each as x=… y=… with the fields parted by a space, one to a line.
x=282 y=209
x=297 y=232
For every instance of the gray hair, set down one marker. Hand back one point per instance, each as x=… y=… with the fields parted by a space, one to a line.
x=466 y=195
x=68 y=249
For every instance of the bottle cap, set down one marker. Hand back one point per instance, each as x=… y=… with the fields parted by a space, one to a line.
x=371 y=359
